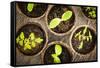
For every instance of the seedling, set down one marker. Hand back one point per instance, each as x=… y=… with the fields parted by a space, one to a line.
x=30 y=7
x=56 y=21
x=81 y=36
x=91 y=11
x=58 y=51
x=30 y=42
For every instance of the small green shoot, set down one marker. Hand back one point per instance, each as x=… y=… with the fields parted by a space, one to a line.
x=28 y=43
x=91 y=11
x=81 y=36
x=58 y=51
x=56 y=21
x=81 y=45
x=30 y=7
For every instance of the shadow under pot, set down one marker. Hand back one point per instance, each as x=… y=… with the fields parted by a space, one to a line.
x=83 y=40
x=57 y=54
x=61 y=19
x=89 y=12
x=33 y=9
x=30 y=39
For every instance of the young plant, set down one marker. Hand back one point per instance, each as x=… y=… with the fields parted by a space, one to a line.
x=81 y=36
x=30 y=42
x=91 y=11
x=56 y=21
x=30 y=7
x=58 y=51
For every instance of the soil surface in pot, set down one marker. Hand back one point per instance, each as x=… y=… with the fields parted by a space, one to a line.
x=27 y=29
x=65 y=56
x=88 y=46
x=56 y=12
x=89 y=12
x=37 y=11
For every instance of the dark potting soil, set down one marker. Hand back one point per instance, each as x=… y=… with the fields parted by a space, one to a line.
x=56 y=12
x=27 y=29
x=87 y=46
x=86 y=13
x=65 y=56
x=38 y=10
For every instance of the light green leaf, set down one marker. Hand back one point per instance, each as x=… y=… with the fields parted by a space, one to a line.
x=54 y=22
x=90 y=36
x=17 y=39
x=56 y=58
x=27 y=46
x=32 y=36
x=22 y=35
x=81 y=45
x=33 y=44
x=85 y=30
x=58 y=49
x=77 y=34
x=30 y=7
x=21 y=42
x=38 y=40
x=87 y=38
x=67 y=15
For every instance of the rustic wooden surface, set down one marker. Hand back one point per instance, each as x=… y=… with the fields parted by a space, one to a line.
x=80 y=19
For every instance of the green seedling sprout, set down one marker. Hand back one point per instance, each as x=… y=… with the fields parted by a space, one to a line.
x=56 y=21
x=91 y=11
x=58 y=51
x=81 y=45
x=81 y=36
x=30 y=7
x=30 y=42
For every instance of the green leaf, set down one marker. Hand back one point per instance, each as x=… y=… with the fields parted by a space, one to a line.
x=54 y=22
x=27 y=46
x=17 y=39
x=67 y=15
x=87 y=38
x=30 y=7
x=85 y=30
x=33 y=44
x=21 y=42
x=81 y=45
x=58 y=49
x=32 y=36
x=38 y=40
x=56 y=58
x=77 y=34
x=90 y=36
x=22 y=35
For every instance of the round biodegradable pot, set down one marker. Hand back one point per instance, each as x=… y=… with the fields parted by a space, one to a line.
x=87 y=45
x=38 y=10
x=87 y=12
x=65 y=56
x=64 y=26
x=38 y=33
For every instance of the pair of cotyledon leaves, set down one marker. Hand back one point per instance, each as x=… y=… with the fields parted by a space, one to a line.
x=58 y=51
x=56 y=21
